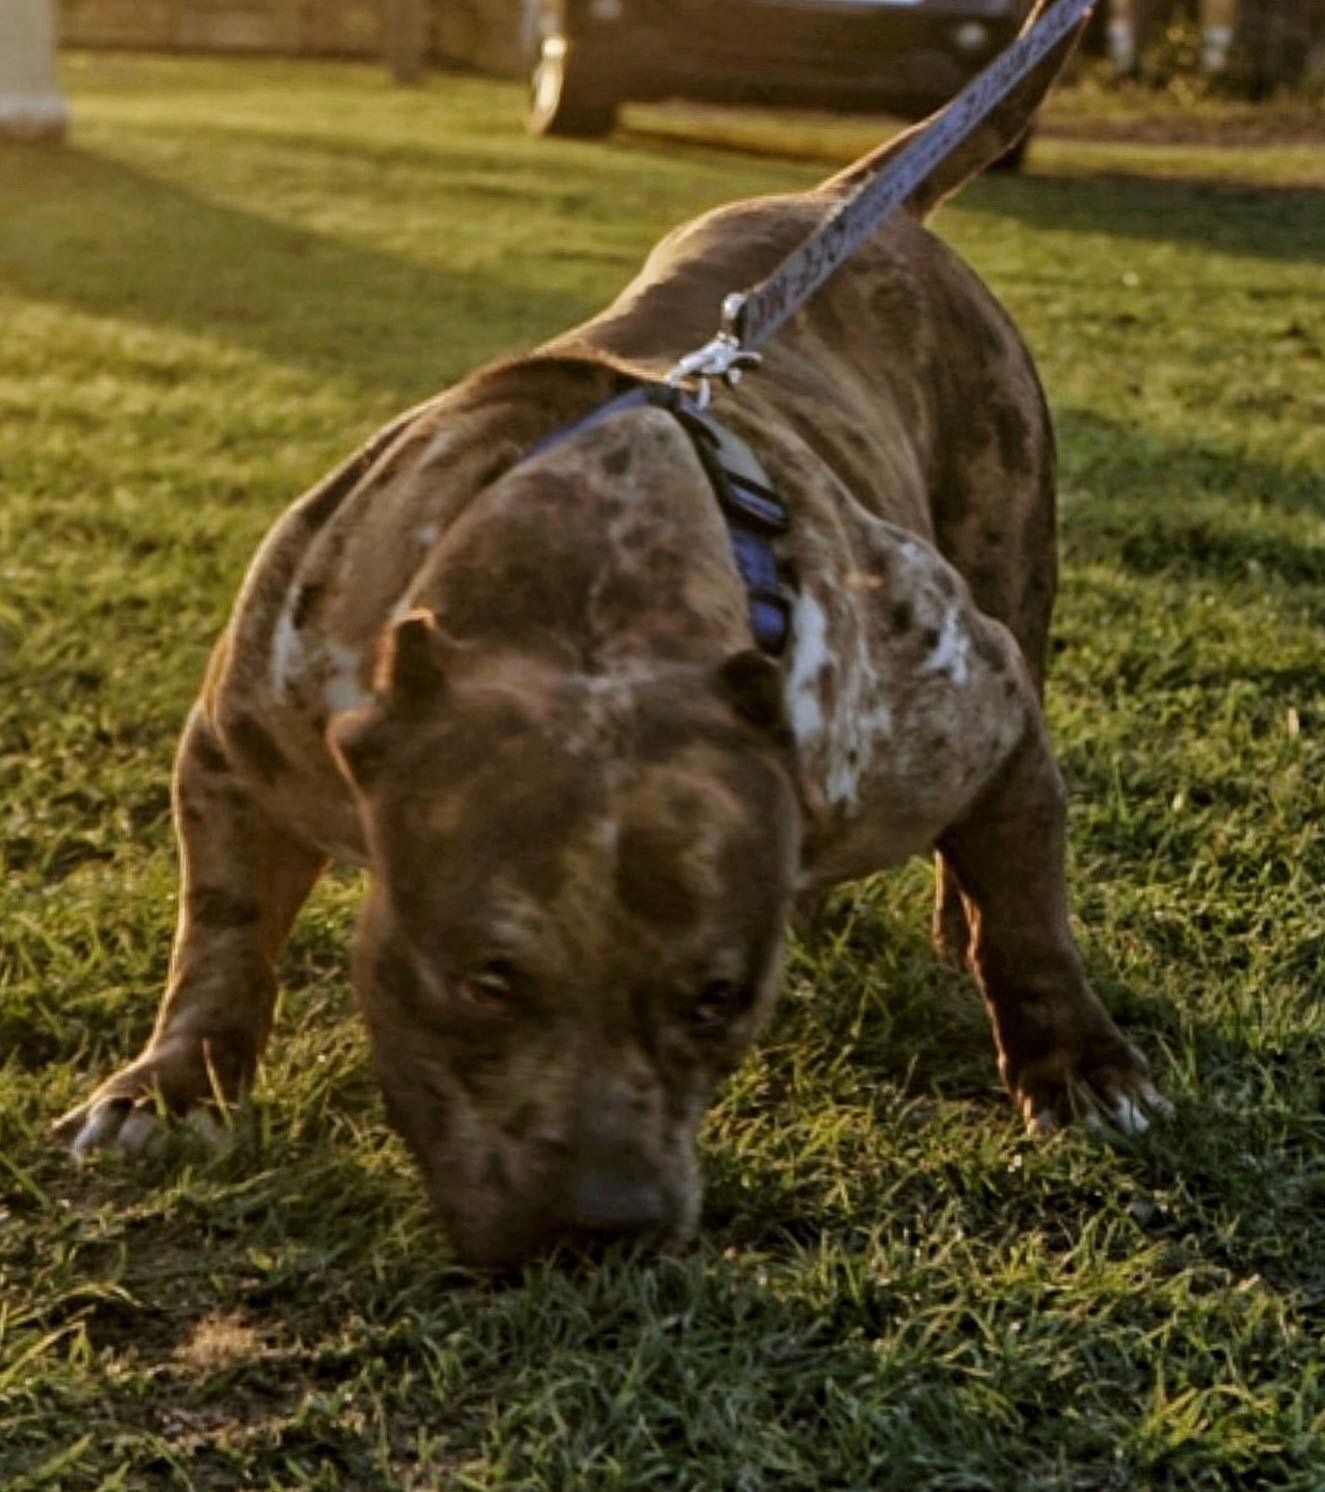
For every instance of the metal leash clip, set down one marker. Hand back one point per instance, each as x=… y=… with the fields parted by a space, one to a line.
x=723 y=357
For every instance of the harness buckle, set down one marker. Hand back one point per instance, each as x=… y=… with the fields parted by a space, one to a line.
x=741 y=484
x=722 y=357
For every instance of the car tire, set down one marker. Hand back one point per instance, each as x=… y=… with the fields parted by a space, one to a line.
x=561 y=100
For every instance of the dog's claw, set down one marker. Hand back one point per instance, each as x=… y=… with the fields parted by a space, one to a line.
x=137 y=1132
x=1159 y=1106
x=133 y=1109
x=100 y=1128
x=129 y=1126
x=1129 y=1116
x=1116 y=1109
x=1135 y=1113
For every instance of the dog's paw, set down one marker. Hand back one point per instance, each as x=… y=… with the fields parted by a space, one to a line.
x=106 y=1124
x=1115 y=1097
x=131 y=1127
x=127 y=1112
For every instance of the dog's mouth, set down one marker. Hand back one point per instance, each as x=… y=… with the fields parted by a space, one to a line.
x=504 y=1246
x=574 y=1250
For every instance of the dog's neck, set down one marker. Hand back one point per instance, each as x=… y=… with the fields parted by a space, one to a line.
x=608 y=552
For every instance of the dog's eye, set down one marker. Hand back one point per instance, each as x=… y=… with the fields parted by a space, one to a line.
x=717 y=1004
x=489 y=988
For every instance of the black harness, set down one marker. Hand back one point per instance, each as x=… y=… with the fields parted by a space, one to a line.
x=754 y=513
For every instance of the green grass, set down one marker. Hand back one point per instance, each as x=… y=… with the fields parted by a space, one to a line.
x=228 y=278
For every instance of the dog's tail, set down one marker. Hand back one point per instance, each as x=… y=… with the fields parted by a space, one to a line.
x=994 y=138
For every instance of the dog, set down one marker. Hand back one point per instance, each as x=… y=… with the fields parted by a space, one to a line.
x=503 y=658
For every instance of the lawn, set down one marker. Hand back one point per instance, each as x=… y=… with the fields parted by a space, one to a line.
x=228 y=278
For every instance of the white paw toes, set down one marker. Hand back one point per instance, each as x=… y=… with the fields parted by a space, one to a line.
x=1128 y=1116
x=1106 y=1114
x=1136 y=1113
x=123 y=1127
x=101 y=1128
x=1156 y=1103
x=137 y=1132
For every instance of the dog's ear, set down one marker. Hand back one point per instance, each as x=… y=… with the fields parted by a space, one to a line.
x=410 y=677
x=751 y=684
x=411 y=668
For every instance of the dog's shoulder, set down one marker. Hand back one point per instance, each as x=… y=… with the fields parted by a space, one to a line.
x=904 y=697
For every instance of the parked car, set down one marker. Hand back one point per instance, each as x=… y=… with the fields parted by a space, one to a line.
x=587 y=57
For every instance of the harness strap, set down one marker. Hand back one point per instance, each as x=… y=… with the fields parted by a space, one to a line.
x=754 y=512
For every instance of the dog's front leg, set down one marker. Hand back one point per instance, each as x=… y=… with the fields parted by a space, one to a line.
x=1060 y=1054
x=242 y=881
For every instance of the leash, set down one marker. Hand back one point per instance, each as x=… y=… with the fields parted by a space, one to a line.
x=754 y=512
x=750 y=317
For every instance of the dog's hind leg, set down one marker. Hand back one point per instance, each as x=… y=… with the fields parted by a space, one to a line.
x=951 y=927
x=244 y=879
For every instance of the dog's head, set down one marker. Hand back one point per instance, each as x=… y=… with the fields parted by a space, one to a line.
x=574 y=928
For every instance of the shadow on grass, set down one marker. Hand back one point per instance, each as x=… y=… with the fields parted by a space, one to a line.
x=1217 y=531
x=90 y=233
x=1176 y=544
x=736 y=137
x=488 y=166
x=1224 y=216
x=1240 y=218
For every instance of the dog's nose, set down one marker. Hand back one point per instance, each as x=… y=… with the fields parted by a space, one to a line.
x=604 y=1202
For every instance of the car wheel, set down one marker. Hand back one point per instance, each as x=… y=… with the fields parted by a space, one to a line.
x=561 y=100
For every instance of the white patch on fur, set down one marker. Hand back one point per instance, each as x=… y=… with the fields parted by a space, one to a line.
x=809 y=628
x=622 y=528
x=950 y=652
x=839 y=736
x=605 y=835
x=343 y=691
x=807 y=719
x=427 y=535
x=286 y=647
x=440 y=445
x=857 y=733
